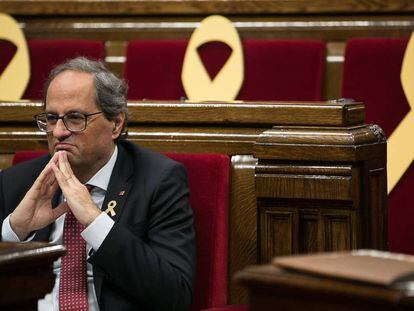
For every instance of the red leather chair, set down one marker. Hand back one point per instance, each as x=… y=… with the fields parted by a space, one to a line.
x=46 y=54
x=208 y=177
x=274 y=69
x=371 y=74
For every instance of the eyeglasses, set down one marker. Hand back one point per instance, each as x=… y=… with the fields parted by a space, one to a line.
x=74 y=121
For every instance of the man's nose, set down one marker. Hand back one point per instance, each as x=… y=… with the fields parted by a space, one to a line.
x=60 y=130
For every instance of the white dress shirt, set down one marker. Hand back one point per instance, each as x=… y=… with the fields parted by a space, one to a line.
x=94 y=235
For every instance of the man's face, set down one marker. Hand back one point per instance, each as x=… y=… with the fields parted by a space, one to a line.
x=89 y=150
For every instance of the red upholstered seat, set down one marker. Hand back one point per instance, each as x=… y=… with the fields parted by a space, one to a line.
x=46 y=54
x=283 y=70
x=22 y=156
x=372 y=74
x=274 y=69
x=208 y=177
x=153 y=69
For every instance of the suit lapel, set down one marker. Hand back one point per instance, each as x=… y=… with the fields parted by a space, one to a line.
x=115 y=198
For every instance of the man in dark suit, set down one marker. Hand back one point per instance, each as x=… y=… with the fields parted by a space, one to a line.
x=131 y=203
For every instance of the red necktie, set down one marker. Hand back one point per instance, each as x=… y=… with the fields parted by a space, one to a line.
x=73 y=294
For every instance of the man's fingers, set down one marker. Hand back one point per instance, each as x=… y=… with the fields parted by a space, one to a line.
x=61 y=179
x=42 y=178
x=45 y=174
x=52 y=179
x=52 y=187
x=67 y=164
x=63 y=164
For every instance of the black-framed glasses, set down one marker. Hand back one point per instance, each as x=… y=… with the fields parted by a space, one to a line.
x=73 y=121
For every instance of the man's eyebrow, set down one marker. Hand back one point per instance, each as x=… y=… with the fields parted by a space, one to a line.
x=75 y=110
x=69 y=111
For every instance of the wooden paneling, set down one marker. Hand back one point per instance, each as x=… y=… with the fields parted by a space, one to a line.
x=309 y=231
x=277 y=233
x=377 y=181
x=337 y=231
x=331 y=204
x=286 y=230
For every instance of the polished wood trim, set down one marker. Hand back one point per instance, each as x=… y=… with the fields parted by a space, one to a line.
x=123 y=28
x=321 y=143
x=15 y=254
x=330 y=113
x=145 y=7
x=242 y=250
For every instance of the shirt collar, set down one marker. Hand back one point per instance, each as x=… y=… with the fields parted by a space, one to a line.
x=101 y=178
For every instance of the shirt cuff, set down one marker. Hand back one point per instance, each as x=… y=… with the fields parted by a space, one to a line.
x=96 y=232
x=8 y=235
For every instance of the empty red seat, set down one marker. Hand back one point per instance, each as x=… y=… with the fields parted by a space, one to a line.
x=371 y=74
x=274 y=69
x=46 y=54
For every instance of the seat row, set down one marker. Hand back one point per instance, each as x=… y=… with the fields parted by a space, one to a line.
x=274 y=70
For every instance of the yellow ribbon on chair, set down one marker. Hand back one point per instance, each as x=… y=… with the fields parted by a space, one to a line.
x=400 y=149
x=227 y=83
x=15 y=77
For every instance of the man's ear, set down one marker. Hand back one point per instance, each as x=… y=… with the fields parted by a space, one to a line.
x=118 y=124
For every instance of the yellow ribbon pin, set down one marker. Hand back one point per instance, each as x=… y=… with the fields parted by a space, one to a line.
x=110 y=208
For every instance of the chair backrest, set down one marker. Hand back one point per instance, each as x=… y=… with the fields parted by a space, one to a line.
x=46 y=54
x=208 y=177
x=274 y=69
x=26 y=155
x=371 y=74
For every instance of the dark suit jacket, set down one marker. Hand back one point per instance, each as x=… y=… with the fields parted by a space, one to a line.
x=147 y=261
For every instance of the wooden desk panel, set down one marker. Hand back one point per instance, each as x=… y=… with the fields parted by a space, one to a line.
x=26 y=273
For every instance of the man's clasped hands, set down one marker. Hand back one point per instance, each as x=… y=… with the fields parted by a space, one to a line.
x=35 y=211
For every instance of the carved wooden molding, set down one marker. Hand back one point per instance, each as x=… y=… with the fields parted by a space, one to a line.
x=331 y=113
x=152 y=7
x=320 y=143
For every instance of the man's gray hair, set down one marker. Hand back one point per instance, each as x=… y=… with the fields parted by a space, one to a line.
x=110 y=91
